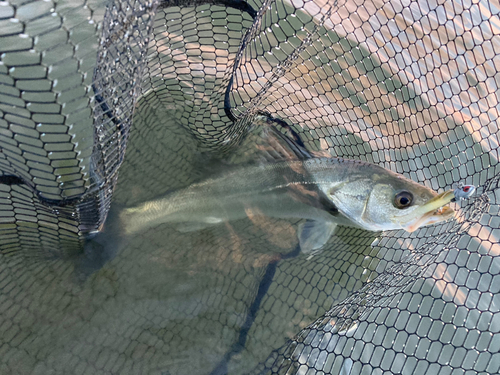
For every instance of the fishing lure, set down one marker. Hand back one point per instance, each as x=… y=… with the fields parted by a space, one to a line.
x=463 y=192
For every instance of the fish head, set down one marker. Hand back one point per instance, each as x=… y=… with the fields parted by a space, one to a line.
x=384 y=200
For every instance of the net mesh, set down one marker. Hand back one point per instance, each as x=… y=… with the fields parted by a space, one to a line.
x=410 y=85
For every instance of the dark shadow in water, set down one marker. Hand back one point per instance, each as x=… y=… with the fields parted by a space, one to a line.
x=264 y=285
x=100 y=249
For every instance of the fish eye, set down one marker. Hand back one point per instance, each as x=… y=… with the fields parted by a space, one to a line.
x=403 y=199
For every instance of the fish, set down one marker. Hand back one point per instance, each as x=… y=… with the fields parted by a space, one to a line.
x=325 y=191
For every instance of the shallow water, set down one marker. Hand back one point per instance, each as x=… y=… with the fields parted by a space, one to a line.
x=215 y=301
x=161 y=301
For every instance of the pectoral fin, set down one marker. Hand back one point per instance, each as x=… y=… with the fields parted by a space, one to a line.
x=314 y=234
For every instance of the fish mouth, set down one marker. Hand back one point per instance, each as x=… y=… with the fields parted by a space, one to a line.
x=434 y=211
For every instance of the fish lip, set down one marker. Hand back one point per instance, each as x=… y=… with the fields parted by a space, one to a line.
x=432 y=212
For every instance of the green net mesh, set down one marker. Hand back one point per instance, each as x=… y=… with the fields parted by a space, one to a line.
x=409 y=85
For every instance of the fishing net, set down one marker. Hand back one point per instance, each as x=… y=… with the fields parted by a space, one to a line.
x=410 y=85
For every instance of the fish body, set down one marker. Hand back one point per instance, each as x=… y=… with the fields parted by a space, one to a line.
x=325 y=191
x=265 y=189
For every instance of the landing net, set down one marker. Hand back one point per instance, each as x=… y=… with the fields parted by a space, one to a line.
x=410 y=85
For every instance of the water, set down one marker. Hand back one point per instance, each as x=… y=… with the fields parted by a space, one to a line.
x=233 y=292
x=170 y=302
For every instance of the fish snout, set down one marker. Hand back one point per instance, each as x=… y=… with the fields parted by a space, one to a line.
x=433 y=212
